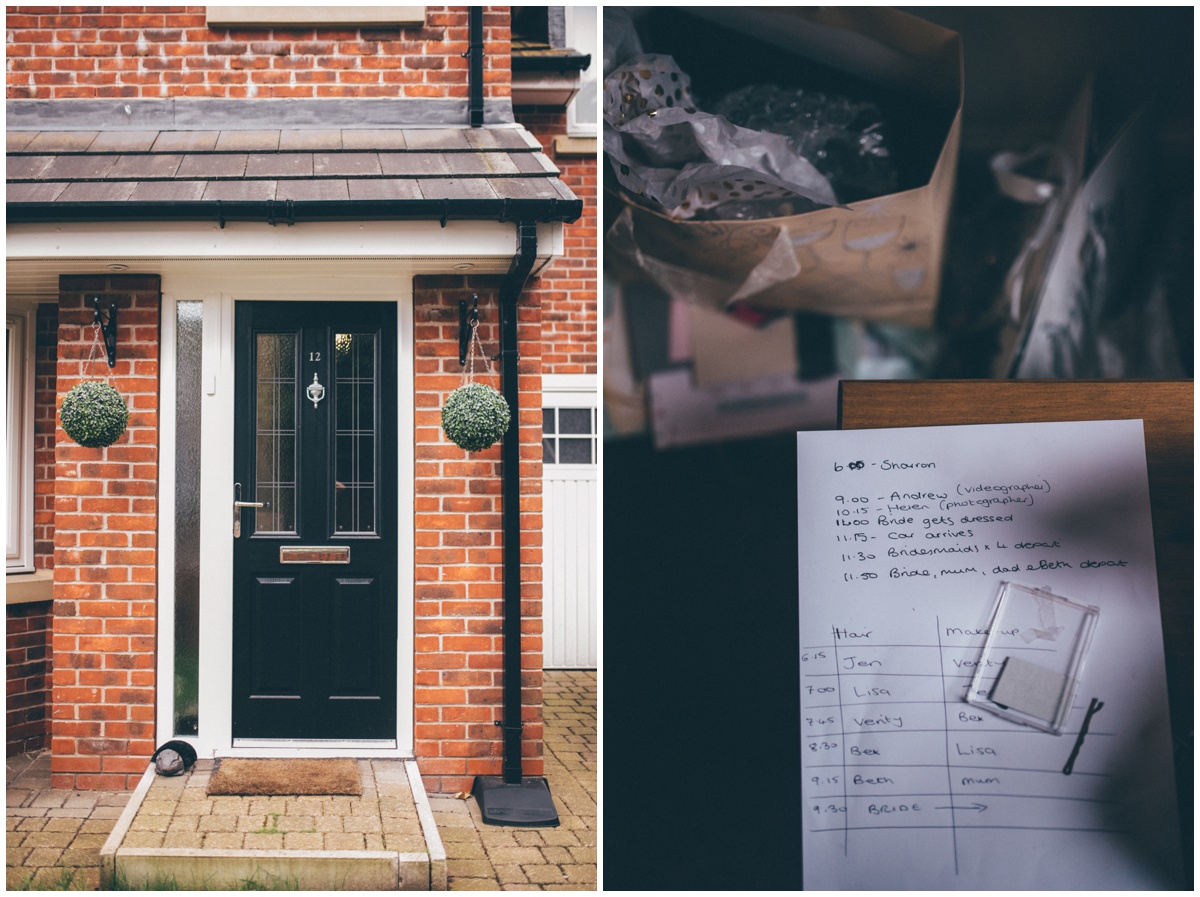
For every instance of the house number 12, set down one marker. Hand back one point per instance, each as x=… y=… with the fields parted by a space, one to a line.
x=314 y=356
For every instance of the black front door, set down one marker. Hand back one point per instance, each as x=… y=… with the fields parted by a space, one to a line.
x=314 y=527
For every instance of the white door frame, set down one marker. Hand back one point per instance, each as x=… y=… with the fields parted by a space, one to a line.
x=216 y=476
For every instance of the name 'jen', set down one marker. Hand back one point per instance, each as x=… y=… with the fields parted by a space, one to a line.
x=852 y=662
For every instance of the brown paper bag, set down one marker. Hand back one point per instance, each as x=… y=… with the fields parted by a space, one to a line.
x=879 y=259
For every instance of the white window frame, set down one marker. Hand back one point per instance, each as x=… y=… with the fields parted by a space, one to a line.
x=573 y=391
x=582 y=33
x=18 y=329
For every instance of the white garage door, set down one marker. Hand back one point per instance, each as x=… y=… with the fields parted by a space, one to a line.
x=570 y=521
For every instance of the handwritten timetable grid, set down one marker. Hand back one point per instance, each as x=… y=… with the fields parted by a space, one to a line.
x=906 y=537
x=860 y=779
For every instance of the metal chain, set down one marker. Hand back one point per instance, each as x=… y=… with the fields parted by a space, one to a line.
x=90 y=366
x=469 y=372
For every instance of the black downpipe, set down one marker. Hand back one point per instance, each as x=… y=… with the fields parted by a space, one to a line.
x=475 y=64
x=512 y=799
x=510 y=496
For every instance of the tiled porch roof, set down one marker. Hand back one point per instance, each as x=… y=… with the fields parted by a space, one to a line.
x=283 y=174
x=538 y=56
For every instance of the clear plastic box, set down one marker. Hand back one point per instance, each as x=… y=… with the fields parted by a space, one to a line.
x=1030 y=665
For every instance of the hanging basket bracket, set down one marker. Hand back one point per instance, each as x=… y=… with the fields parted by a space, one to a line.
x=108 y=327
x=467 y=321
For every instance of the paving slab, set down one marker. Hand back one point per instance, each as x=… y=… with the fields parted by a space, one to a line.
x=519 y=858
x=54 y=836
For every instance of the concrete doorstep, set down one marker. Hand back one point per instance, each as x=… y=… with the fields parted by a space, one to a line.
x=174 y=835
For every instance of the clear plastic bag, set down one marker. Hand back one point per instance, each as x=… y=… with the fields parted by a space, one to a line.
x=666 y=150
x=846 y=140
x=761 y=152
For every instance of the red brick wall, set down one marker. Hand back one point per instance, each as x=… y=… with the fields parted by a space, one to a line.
x=459 y=583
x=568 y=287
x=27 y=663
x=105 y=549
x=169 y=51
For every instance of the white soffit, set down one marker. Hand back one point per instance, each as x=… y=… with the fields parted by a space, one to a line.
x=38 y=253
x=545 y=88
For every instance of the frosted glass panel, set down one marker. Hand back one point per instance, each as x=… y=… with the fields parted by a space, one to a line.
x=189 y=340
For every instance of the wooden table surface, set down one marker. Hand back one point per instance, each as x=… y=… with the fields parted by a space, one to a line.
x=1166 y=410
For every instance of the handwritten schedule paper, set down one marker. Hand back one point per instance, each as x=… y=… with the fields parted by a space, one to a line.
x=905 y=537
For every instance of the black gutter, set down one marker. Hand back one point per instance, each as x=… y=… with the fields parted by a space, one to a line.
x=563 y=61
x=289 y=212
x=475 y=65
x=511 y=799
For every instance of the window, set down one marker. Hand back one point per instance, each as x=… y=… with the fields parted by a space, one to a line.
x=568 y=435
x=19 y=359
x=554 y=64
x=570 y=425
x=583 y=113
x=356 y=432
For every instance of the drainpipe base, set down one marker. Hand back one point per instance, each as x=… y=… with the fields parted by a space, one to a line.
x=527 y=803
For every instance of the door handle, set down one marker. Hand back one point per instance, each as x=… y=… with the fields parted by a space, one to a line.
x=238 y=504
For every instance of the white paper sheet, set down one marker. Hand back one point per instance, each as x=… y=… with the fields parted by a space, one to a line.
x=905 y=536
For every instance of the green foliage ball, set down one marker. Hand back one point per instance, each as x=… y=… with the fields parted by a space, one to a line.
x=475 y=416
x=94 y=414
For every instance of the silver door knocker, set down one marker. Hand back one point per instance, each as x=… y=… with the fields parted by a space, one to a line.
x=316 y=391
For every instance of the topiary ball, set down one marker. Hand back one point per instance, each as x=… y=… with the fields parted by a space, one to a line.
x=94 y=414
x=475 y=416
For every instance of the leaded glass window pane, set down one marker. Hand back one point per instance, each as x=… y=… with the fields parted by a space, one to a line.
x=355 y=435
x=275 y=434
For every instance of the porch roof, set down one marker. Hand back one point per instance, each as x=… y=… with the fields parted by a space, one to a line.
x=268 y=168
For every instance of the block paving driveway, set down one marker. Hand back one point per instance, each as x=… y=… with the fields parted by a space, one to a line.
x=54 y=837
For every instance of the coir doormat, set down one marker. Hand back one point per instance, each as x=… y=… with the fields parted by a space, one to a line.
x=286 y=777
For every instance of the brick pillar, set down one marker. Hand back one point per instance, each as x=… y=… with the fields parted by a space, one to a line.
x=105 y=548
x=459 y=586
